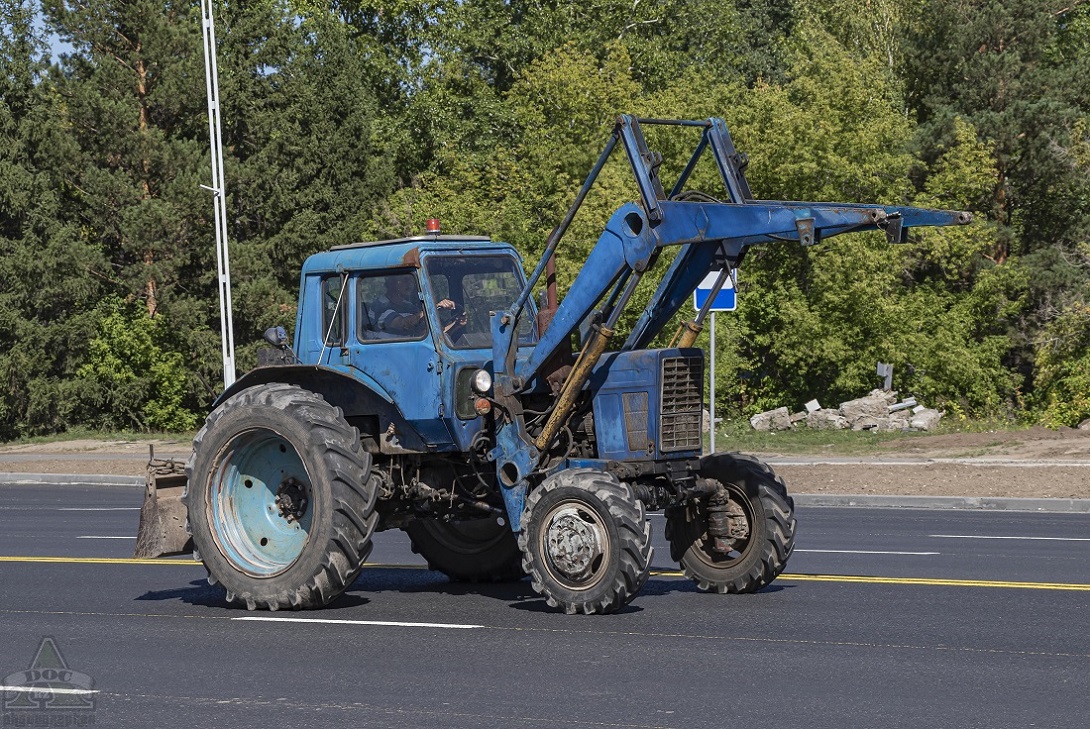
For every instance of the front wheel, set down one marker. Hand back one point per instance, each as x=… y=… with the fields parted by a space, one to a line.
x=762 y=524
x=279 y=501
x=585 y=542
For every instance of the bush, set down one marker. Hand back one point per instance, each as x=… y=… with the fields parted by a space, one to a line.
x=130 y=379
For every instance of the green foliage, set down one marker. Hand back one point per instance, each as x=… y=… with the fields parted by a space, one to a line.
x=131 y=379
x=346 y=121
x=1008 y=66
x=1062 y=365
x=961 y=178
x=833 y=131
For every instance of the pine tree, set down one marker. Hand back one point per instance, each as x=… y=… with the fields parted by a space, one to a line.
x=50 y=275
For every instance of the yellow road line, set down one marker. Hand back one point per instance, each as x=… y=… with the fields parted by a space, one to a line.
x=928 y=581
x=97 y=560
x=162 y=561
x=857 y=579
x=939 y=582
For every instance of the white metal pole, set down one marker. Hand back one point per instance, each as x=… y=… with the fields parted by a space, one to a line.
x=223 y=263
x=711 y=405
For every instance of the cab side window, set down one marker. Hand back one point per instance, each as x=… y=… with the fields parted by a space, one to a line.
x=390 y=308
x=333 y=307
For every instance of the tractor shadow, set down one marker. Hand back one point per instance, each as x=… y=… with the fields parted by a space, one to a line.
x=424 y=581
x=197 y=592
x=518 y=595
x=675 y=585
x=201 y=594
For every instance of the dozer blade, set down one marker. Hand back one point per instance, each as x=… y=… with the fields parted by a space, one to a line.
x=162 y=529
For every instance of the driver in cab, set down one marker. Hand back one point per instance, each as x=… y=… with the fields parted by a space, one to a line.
x=401 y=312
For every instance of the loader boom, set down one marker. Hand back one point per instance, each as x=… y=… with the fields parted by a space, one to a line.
x=708 y=234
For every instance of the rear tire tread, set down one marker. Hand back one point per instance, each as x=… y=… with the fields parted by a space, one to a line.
x=779 y=527
x=338 y=450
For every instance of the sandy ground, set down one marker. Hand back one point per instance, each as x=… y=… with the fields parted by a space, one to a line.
x=1037 y=463
x=115 y=458
x=1031 y=463
x=934 y=479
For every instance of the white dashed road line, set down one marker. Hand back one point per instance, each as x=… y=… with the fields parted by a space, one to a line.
x=47 y=689
x=1035 y=539
x=99 y=508
x=866 y=551
x=384 y=623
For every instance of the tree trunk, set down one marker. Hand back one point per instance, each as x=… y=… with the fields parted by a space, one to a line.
x=150 y=291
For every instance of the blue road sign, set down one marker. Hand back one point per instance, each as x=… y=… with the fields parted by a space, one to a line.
x=725 y=300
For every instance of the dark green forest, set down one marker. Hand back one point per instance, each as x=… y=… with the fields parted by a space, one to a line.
x=346 y=121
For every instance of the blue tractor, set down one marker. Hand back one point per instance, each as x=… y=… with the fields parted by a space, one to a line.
x=427 y=390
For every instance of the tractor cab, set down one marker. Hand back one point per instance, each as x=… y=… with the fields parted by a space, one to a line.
x=410 y=318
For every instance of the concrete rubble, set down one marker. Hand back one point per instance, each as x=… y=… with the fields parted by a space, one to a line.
x=879 y=410
x=778 y=419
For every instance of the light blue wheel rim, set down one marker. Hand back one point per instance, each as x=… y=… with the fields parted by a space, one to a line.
x=246 y=520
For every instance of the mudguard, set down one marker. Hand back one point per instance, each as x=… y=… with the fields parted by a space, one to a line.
x=357 y=395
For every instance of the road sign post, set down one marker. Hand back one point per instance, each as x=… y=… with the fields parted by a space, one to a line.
x=711 y=404
x=725 y=299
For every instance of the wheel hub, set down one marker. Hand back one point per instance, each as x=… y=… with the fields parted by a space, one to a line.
x=739 y=523
x=259 y=499
x=727 y=522
x=291 y=500
x=574 y=543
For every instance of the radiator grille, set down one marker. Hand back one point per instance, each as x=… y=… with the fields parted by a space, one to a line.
x=682 y=401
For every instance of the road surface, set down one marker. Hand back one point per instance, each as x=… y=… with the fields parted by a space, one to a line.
x=885 y=618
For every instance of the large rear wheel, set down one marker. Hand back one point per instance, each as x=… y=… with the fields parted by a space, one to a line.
x=475 y=550
x=761 y=528
x=279 y=501
x=585 y=542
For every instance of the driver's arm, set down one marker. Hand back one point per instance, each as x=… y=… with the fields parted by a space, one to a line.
x=393 y=321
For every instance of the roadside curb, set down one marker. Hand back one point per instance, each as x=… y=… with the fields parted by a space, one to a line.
x=967 y=503
x=977 y=461
x=68 y=479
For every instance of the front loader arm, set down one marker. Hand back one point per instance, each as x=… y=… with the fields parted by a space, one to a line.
x=709 y=233
x=693 y=262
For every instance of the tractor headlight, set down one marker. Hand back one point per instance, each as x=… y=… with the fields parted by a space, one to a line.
x=482 y=382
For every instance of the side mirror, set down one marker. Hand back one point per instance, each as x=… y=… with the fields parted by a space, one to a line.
x=276 y=336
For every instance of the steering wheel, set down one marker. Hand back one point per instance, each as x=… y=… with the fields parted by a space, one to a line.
x=453 y=321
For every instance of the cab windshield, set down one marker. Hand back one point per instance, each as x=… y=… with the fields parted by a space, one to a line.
x=467 y=289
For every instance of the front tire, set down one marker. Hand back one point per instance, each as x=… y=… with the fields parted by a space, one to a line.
x=586 y=543
x=769 y=513
x=280 y=504
x=476 y=550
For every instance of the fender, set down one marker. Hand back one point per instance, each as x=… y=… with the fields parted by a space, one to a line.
x=365 y=404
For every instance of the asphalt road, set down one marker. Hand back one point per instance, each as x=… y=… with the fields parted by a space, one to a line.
x=885 y=618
